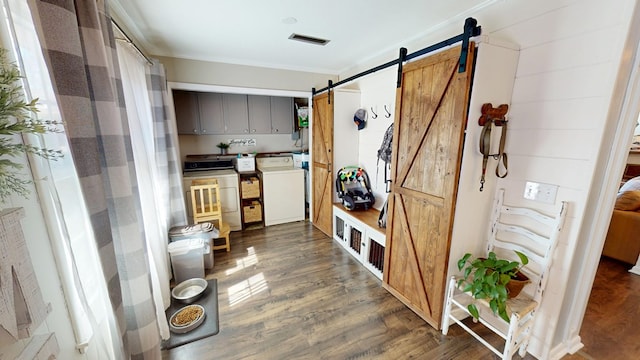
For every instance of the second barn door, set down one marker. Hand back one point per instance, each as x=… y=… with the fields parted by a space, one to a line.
x=322 y=162
x=427 y=149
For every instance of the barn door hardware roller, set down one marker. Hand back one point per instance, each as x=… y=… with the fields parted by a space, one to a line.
x=471 y=29
x=493 y=117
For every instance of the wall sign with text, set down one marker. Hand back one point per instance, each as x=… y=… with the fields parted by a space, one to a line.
x=242 y=142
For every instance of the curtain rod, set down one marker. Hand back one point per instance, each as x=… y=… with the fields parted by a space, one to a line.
x=128 y=39
x=471 y=29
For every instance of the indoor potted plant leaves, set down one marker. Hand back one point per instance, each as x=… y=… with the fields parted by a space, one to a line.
x=489 y=278
x=17 y=117
x=223 y=146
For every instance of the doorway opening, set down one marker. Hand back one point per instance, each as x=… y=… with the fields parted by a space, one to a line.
x=615 y=294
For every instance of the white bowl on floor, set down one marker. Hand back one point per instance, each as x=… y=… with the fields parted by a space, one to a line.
x=190 y=290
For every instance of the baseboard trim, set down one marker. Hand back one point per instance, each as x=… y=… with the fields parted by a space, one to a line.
x=635 y=270
x=570 y=346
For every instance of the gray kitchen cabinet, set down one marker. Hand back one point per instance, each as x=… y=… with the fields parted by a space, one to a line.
x=198 y=113
x=187 y=114
x=211 y=115
x=205 y=113
x=259 y=114
x=235 y=113
x=281 y=115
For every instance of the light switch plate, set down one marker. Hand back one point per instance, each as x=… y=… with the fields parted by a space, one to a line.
x=545 y=193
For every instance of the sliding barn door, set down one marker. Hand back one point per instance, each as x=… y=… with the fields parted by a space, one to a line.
x=322 y=162
x=427 y=148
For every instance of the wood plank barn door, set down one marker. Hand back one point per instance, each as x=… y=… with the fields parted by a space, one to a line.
x=427 y=149
x=322 y=163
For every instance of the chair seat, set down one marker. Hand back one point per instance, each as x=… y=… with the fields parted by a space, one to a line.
x=521 y=305
x=225 y=229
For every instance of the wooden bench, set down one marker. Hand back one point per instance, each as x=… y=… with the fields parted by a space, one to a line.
x=358 y=232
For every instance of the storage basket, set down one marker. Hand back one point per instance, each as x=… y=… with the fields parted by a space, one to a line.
x=252 y=212
x=250 y=188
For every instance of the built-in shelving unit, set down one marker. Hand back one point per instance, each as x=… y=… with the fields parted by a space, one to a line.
x=358 y=232
x=251 y=199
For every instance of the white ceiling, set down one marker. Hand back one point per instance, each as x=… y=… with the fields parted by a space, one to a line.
x=254 y=32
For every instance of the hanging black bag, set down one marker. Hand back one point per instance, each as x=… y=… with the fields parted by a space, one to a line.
x=384 y=154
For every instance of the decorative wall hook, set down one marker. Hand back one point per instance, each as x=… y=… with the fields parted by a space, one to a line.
x=489 y=113
x=493 y=116
x=388 y=114
x=375 y=116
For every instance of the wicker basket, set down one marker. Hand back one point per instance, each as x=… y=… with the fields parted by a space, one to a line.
x=252 y=212
x=250 y=188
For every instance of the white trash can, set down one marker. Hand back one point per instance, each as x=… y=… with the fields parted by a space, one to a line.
x=205 y=231
x=187 y=261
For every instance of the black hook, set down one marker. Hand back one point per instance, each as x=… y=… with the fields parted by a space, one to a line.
x=375 y=116
x=388 y=115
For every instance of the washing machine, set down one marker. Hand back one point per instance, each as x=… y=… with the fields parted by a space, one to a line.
x=282 y=189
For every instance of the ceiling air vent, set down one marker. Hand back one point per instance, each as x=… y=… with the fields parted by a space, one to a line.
x=309 y=39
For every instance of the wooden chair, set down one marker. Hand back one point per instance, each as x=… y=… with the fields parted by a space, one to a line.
x=205 y=201
x=532 y=233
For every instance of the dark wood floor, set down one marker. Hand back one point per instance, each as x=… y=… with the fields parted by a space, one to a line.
x=610 y=327
x=290 y=292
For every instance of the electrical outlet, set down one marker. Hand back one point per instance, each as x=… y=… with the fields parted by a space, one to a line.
x=545 y=193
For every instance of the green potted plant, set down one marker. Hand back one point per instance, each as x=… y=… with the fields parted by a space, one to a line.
x=17 y=117
x=223 y=146
x=492 y=279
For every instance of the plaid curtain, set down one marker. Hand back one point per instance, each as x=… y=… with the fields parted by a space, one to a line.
x=79 y=48
x=166 y=135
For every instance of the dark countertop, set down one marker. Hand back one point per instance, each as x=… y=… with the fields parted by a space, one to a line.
x=204 y=157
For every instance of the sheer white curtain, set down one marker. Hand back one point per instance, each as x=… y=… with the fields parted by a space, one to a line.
x=60 y=196
x=154 y=214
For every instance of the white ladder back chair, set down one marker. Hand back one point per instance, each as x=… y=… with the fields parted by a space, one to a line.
x=205 y=200
x=512 y=229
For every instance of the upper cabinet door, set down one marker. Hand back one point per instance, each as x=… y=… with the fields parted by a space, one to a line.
x=235 y=113
x=281 y=115
x=187 y=115
x=259 y=114
x=211 y=115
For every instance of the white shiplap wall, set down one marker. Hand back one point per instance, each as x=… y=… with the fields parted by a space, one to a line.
x=569 y=60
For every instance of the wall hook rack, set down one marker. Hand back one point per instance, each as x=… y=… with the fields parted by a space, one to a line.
x=375 y=116
x=388 y=114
